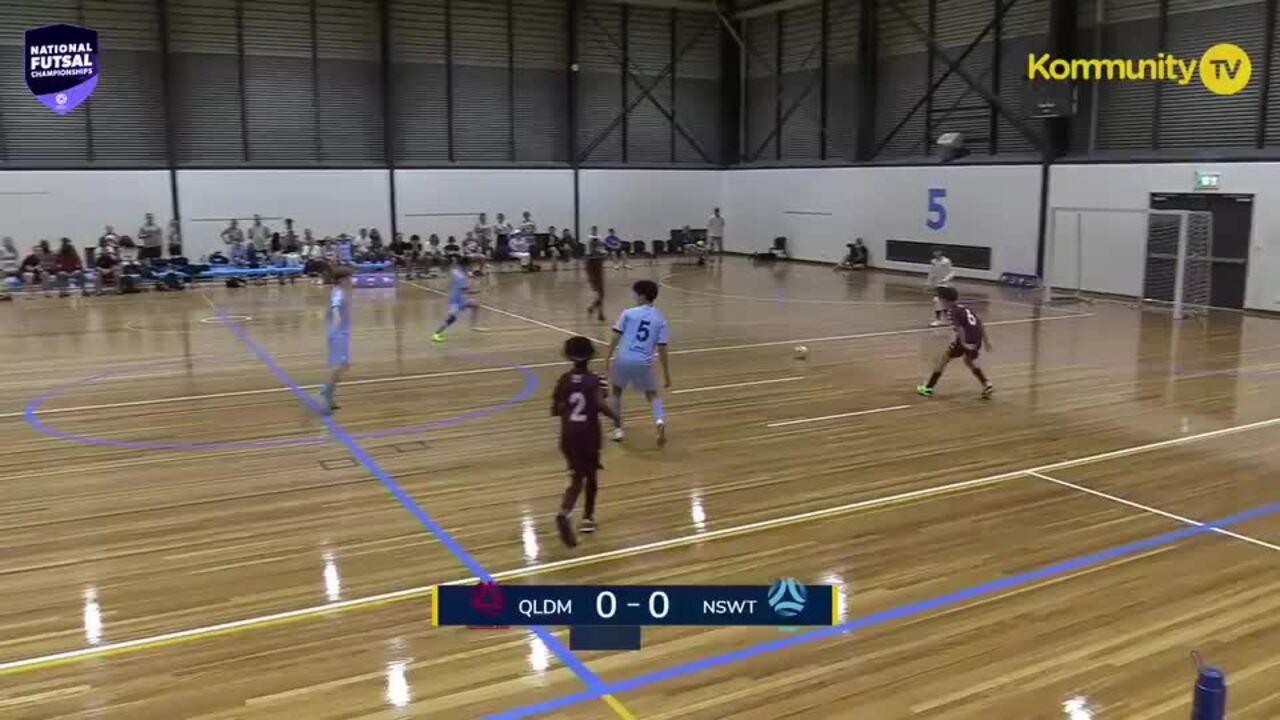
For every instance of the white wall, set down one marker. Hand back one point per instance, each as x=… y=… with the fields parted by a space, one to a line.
x=454 y=198
x=647 y=204
x=820 y=210
x=327 y=201
x=40 y=205
x=1118 y=266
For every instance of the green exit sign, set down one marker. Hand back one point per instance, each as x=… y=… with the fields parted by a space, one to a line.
x=1207 y=180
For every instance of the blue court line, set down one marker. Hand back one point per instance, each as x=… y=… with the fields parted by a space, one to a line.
x=31 y=413
x=592 y=681
x=886 y=616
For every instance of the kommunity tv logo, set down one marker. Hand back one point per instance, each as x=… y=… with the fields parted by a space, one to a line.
x=1223 y=69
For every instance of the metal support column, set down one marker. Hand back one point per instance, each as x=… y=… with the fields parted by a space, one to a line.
x=1162 y=40
x=314 y=13
x=1269 y=48
x=511 y=78
x=777 y=86
x=623 y=77
x=732 y=89
x=928 y=76
x=240 y=81
x=868 y=51
x=673 y=25
x=571 y=105
x=1063 y=42
x=170 y=111
x=388 y=110
x=822 y=74
x=993 y=128
x=448 y=75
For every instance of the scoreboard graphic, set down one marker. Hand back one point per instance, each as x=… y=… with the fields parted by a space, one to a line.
x=785 y=603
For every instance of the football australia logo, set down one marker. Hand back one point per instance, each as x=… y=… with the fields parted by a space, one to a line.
x=61 y=65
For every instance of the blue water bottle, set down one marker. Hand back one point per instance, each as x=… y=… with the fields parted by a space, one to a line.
x=1210 y=699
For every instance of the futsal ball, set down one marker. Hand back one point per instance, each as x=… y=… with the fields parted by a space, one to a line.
x=802 y=352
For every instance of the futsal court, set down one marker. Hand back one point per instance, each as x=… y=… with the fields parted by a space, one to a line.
x=182 y=537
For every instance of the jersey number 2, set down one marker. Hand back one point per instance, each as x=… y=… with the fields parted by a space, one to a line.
x=577 y=413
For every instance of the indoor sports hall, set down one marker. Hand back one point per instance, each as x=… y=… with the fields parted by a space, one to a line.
x=282 y=378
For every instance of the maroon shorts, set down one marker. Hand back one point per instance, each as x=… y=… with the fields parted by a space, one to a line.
x=957 y=350
x=580 y=457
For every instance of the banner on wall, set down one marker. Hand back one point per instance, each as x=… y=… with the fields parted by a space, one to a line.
x=61 y=65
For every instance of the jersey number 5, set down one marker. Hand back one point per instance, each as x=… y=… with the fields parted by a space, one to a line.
x=642 y=331
x=578 y=403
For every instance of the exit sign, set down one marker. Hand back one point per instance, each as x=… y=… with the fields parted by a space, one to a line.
x=1207 y=180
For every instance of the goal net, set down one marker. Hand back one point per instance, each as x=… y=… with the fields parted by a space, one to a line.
x=1159 y=256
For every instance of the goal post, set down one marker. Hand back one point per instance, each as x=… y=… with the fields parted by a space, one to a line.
x=1159 y=256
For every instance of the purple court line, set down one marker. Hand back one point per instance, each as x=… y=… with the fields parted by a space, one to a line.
x=901 y=612
x=31 y=415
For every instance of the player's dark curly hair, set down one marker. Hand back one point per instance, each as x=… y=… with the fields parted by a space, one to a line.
x=646 y=289
x=579 y=349
x=948 y=293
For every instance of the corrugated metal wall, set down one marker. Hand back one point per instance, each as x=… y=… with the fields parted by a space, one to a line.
x=281 y=83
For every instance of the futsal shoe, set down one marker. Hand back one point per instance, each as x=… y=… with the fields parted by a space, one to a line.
x=588 y=525
x=437 y=337
x=617 y=435
x=662 y=433
x=924 y=390
x=565 y=528
x=987 y=391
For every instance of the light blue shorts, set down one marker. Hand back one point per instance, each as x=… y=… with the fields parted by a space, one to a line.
x=634 y=375
x=339 y=350
x=455 y=308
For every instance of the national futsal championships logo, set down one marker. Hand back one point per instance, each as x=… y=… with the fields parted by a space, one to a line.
x=1223 y=69
x=787 y=597
x=60 y=64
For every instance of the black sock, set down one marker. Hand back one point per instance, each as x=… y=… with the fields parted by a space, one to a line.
x=933 y=380
x=977 y=372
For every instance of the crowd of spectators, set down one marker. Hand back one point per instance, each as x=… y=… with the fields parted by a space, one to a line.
x=117 y=260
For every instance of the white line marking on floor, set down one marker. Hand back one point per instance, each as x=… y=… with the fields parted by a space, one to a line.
x=1148 y=508
x=860 y=336
x=508 y=313
x=208 y=630
x=750 y=383
x=802 y=421
x=482 y=371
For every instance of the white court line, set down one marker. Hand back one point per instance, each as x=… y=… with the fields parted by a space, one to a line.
x=860 y=336
x=709 y=388
x=1148 y=508
x=803 y=421
x=220 y=628
x=508 y=313
x=482 y=371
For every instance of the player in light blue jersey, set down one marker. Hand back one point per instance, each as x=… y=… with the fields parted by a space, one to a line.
x=338 y=329
x=460 y=291
x=639 y=334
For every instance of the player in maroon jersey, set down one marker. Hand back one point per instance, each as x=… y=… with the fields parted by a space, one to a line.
x=971 y=338
x=579 y=400
x=595 y=278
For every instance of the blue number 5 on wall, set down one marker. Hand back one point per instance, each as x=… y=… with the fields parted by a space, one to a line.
x=937 y=213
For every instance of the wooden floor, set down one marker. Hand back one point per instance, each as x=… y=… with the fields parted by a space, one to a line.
x=180 y=538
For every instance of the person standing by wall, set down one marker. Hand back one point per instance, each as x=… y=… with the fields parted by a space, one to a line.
x=8 y=266
x=715 y=232
x=174 y=238
x=260 y=235
x=151 y=240
x=233 y=238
